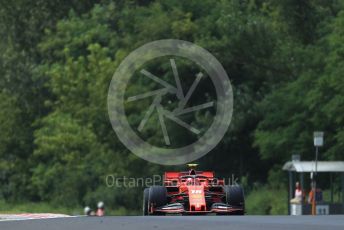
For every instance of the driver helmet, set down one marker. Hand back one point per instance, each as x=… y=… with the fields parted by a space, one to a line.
x=87 y=210
x=100 y=204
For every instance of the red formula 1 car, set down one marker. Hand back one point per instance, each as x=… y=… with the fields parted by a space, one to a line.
x=193 y=192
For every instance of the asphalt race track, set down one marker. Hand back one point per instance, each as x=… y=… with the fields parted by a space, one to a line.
x=180 y=222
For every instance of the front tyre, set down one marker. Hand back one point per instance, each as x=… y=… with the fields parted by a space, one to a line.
x=235 y=197
x=157 y=197
x=145 y=207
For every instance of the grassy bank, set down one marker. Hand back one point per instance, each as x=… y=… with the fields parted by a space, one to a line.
x=42 y=207
x=267 y=201
x=30 y=207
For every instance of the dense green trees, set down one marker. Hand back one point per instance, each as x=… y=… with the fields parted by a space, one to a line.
x=312 y=101
x=284 y=59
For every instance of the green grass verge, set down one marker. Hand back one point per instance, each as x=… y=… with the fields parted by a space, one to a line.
x=30 y=207
x=41 y=207
x=267 y=201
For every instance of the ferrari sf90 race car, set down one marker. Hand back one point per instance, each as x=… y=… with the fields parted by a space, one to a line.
x=193 y=192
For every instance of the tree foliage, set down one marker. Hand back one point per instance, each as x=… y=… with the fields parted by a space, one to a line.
x=284 y=59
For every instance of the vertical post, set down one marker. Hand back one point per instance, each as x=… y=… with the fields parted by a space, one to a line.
x=314 y=202
x=331 y=181
x=302 y=181
x=318 y=142
x=316 y=160
x=342 y=192
x=290 y=191
x=314 y=198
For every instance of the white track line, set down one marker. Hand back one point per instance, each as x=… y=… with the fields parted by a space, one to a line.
x=31 y=216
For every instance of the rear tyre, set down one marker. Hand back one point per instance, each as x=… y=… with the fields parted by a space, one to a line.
x=235 y=197
x=145 y=202
x=157 y=197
